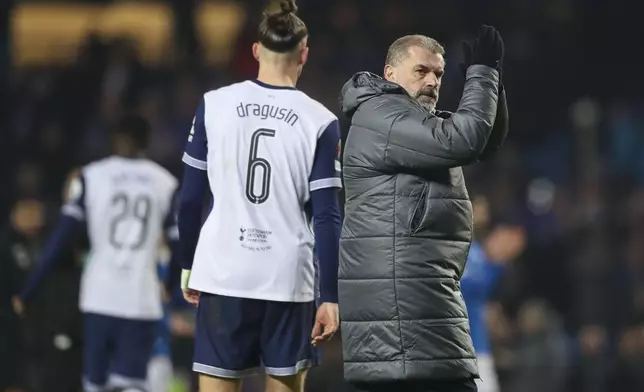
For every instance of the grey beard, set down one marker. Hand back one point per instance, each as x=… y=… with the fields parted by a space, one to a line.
x=429 y=106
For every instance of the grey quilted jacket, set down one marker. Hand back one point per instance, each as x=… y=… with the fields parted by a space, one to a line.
x=408 y=225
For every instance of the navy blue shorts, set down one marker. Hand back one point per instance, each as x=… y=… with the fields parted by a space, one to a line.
x=116 y=351
x=237 y=337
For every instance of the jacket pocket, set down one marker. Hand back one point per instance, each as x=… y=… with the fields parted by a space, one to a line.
x=419 y=211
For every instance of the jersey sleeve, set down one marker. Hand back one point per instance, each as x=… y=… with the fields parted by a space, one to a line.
x=197 y=146
x=73 y=214
x=172 y=275
x=326 y=169
x=170 y=222
x=75 y=197
x=194 y=186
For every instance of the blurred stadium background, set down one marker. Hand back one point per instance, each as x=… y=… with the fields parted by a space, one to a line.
x=567 y=316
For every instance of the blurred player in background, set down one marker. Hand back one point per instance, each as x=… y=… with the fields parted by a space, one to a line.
x=269 y=154
x=491 y=250
x=126 y=202
x=160 y=372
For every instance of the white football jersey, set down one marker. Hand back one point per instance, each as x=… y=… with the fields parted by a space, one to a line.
x=260 y=146
x=127 y=204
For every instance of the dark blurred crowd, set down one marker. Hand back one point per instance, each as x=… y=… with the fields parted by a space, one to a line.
x=567 y=316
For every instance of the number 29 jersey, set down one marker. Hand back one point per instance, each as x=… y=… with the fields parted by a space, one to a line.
x=261 y=148
x=127 y=205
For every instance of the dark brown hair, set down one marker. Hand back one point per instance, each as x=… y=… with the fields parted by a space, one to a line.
x=134 y=127
x=281 y=30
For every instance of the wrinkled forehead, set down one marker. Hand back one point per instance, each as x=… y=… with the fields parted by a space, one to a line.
x=421 y=57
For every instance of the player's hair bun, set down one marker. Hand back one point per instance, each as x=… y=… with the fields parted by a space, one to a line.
x=281 y=30
x=280 y=9
x=288 y=6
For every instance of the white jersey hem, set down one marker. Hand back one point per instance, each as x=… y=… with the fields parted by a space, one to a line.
x=252 y=295
x=121 y=315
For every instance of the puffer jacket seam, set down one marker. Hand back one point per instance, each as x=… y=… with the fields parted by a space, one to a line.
x=418 y=360
x=393 y=268
x=391 y=127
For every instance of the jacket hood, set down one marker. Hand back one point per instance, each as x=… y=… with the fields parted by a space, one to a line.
x=364 y=86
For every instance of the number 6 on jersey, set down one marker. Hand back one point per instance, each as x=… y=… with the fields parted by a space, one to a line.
x=254 y=163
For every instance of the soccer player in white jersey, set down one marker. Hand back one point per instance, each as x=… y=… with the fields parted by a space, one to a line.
x=125 y=202
x=268 y=154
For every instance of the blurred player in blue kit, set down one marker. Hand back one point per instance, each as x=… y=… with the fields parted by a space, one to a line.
x=125 y=202
x=491 y=250
x=160 y=371
x=268 y=155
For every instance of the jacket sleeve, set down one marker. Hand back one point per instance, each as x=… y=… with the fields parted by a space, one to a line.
x=499 y=130
x=423 y=141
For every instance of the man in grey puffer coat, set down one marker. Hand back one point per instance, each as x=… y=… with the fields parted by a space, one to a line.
x=408 y=217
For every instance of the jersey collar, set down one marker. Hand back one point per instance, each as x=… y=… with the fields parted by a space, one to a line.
x=272 y=87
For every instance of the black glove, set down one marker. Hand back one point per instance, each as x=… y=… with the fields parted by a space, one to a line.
x=487 y=49
x=470 y=48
